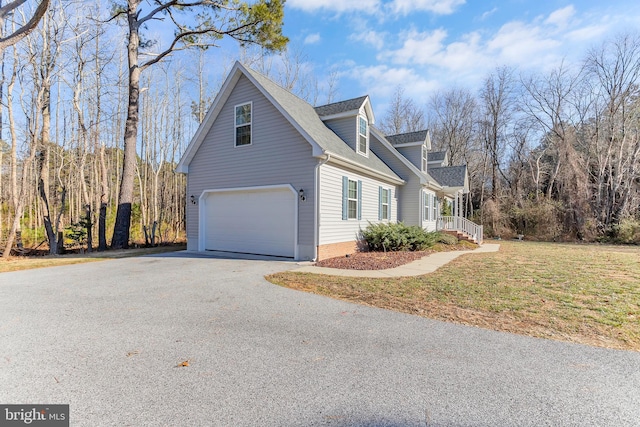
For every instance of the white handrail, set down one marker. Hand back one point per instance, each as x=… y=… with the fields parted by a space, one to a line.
x=456 y=223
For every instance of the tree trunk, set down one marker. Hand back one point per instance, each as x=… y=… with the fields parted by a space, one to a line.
x=125 y=198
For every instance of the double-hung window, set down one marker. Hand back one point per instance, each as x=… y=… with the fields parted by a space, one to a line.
x=351 y=198
x=424 y=158
x=435 y=208
x=385 y=203
x=243 y=124
x=426 y=206
x=363 y=136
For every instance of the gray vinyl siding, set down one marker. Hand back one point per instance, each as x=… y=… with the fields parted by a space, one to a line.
x=345 y=128
x=277 y=155
x=409 y=193
x=413 y=154
x=332 y=228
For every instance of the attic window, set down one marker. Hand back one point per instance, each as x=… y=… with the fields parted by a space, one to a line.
x=363 y=136
x=243 y=124
x=424 y=158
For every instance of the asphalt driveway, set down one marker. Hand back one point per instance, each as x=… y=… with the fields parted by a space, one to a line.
x=108 y=338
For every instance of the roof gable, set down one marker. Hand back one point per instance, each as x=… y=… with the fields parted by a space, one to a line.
x=451 y=176
x=299 y=113
x=440 y=158
x=420 y=137
x=340 y=107
x=425 y=178
x=350 y=107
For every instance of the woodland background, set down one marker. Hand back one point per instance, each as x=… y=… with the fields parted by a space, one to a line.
x=552 y=156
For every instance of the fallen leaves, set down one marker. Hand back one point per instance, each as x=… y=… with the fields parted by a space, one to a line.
x=183 y=364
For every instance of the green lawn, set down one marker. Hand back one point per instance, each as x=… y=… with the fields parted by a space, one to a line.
x=581 y=293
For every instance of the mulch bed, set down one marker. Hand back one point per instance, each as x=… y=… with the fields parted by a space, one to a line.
x=372 y=260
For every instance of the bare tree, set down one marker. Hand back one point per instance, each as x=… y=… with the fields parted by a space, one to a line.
x=497 y=97
x=259 y=23
x=24 y=30
x=402 y=116
x=614 y=69
x=453 y=123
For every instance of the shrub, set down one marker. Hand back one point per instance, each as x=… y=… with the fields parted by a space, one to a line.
x=397 y=237
x=447 y=239
x=626 y=232
x=537 y=217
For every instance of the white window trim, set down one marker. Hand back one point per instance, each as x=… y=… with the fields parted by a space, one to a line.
x=236 y=126
x=434 y=208
x=426 y=207
x=425 y=158
x=349 y=199
x=358 y=134
x=388 y=204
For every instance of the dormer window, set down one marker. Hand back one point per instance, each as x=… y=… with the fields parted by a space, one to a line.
x=363 y=136
x=424 y=158
x=243 y=124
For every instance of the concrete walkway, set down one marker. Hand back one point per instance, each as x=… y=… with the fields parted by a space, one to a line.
x=425 y=265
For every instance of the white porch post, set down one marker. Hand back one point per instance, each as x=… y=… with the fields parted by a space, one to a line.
x=456 y=212
x=457 y=215
x=455 y=200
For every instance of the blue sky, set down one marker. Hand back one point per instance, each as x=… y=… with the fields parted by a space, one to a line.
x=430 y=45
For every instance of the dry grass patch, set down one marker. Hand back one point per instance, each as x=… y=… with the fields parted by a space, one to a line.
x=588 y=294
x=16 y=263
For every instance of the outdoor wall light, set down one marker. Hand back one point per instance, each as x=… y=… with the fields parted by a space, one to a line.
x=303 y=197
x=193 y=200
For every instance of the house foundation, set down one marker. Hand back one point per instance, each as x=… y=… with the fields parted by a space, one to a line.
x=333 y=250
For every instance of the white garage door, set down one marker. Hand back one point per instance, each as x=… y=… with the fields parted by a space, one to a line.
x=254 y=222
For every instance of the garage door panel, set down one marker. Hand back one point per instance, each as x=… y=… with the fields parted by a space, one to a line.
x=258 y=222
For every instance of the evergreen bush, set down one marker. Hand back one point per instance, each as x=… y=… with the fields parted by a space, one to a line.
x=397 y=237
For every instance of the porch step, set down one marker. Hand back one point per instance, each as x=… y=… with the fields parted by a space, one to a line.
x=460 y=235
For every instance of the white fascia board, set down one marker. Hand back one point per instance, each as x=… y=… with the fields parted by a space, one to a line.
x=341 y=161
x=433 y=185
x=343 y=115
x=212 y=114
x=451 y=191
x=369 y=110
x=409 y=144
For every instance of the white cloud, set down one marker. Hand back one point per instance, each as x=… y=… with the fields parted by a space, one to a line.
x=417 y=48
x=370 y=37
x=488 y=13
x=312 y=38
x=339 y=6
x=561 y=18
x=439 y=7
x=518 y=43
x=587 y=34
x=424 y=58
x=381 y=81
x=374 y=7
x=538 y=44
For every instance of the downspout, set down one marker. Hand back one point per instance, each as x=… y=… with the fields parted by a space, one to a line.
x=316 y=201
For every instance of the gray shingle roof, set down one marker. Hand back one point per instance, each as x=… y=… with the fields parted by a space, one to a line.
x=306 y=117
x=405 y=138
x=340 y=107
x=436 y=156
x=450 y=176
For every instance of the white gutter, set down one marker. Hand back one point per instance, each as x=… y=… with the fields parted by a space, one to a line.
x=365 y=169
x=316 y=217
